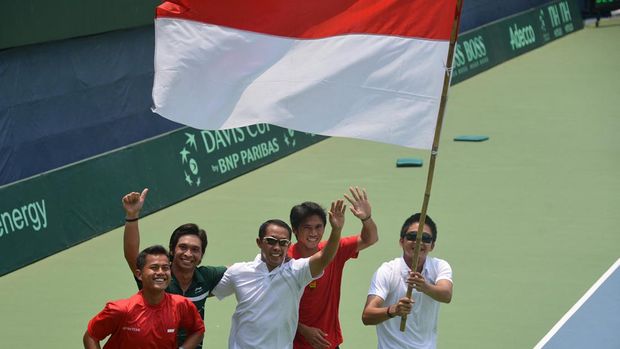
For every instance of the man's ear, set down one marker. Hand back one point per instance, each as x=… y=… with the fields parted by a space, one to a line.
x=258 y=242
x=295 y=233
x=138 y=274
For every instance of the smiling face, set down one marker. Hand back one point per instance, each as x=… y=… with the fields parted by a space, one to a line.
x=272 y=252
x=155 y=275
x=409 y=246
x=187 y=252
x=310 y=232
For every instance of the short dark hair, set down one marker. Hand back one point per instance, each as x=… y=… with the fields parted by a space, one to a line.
x=305 y=210
x=187 y=229
x=154 y=250
x=416 y=218
x=280 y=223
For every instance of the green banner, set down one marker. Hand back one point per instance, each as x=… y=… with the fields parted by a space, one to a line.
x=36 y=21
x=53 y=211
x=487 y=46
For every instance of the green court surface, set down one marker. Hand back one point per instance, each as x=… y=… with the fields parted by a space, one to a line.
x=527 y=219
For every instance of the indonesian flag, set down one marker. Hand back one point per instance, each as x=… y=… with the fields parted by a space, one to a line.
x=369 y=69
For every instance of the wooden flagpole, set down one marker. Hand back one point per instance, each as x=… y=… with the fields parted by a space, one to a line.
x=431 y=167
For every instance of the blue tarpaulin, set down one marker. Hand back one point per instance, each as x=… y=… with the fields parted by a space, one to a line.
x=66 y=101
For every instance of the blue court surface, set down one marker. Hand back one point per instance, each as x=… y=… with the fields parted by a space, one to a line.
x=594 y=321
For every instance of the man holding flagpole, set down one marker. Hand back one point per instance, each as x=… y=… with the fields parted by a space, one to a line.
x=432 y=284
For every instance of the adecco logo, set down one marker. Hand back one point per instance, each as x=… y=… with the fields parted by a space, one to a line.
x=521 y=37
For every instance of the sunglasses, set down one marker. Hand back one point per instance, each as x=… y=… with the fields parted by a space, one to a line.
x=413 y=235
x=272 y=241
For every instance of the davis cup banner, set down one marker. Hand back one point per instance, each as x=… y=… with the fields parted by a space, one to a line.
x=365 y=69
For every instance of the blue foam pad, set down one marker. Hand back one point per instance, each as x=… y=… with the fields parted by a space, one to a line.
x=409 y=162
x=471 y=138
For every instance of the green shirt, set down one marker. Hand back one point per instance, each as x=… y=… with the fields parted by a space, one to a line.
x=203 y=282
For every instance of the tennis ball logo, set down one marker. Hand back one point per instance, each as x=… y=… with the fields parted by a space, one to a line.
x=191 y=171
x=289 y=138
x=193 y=166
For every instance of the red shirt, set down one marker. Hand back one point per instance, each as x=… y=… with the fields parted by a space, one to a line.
x=133 y=323
x=321 y=298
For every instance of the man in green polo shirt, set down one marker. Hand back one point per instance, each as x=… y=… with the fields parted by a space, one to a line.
x=187 y=247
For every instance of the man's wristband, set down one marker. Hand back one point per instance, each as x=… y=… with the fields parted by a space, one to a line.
x=131 y=219
x=365 y=219
x=388 y=312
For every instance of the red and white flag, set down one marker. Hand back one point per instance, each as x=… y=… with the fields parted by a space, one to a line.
x=369 y=69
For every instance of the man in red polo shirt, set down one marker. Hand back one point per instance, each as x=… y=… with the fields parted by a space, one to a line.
x=318 y=325
x=151 y=318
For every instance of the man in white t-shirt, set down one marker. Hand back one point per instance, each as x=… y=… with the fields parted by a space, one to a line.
x=268 y=289
x=387 y=301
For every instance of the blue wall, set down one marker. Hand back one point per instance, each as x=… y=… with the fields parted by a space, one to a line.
x=479 y=12
x=65 y=101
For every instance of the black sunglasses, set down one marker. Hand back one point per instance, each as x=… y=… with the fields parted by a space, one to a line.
x=413 y=235
x=272 y=241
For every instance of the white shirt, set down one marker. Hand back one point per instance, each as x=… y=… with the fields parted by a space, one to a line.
x=389 y=283
x=267 y=302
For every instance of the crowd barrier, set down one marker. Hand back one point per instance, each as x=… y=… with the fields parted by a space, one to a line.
x=55 y=210
x=489 y=45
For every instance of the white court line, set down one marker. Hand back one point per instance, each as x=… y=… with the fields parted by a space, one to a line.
x=577 y=305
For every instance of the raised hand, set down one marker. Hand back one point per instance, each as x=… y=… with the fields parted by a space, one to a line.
x=133 y=202
x=321 y=259
x=336 y=214
x=360 y=206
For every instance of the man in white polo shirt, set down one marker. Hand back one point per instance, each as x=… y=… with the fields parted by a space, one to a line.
x=387 y=301
x=269 y=288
